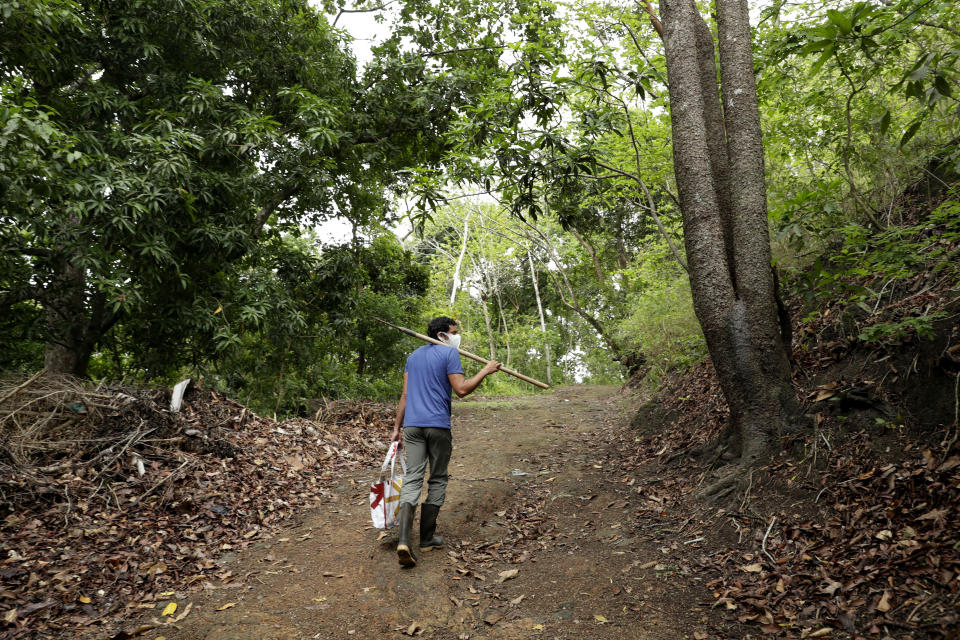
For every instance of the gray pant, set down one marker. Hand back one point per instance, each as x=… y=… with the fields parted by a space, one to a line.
x=423 y=444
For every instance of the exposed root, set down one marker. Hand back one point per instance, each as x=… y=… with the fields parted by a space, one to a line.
x=731 y=483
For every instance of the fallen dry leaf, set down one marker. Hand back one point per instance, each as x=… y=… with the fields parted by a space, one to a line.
x=492 y=617
x=226 y=606
x=508 y=574
x=884 y=605
x=185 y=613
x=170 y=609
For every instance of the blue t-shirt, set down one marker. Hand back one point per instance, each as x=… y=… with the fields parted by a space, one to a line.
x=428 y=388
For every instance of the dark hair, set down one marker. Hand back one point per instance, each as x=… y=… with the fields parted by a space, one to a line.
x=440 y=325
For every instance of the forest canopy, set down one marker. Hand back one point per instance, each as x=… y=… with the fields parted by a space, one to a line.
x=165 y=166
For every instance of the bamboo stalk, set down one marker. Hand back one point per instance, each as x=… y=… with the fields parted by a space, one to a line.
x=472 y=356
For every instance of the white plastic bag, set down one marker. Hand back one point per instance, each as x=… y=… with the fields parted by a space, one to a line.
x=385 y=493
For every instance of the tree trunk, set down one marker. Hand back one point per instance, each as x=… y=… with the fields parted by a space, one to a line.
x=463 y=252
x=362 y=352
x=502 y=324
x=718 y=160
x=593 y=254
x=69 y=345
x=543 y=324
x=491 y=343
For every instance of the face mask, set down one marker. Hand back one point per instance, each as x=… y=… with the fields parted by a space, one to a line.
x=452 y=340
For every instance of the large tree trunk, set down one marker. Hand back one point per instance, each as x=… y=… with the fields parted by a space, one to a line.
x=718 y=159
x=68 y=347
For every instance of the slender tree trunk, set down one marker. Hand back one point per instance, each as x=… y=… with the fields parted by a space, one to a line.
x=504 y=327
x=718 y=160
x=362 y=352
x=491 y=342
x=593 y=254
x=543 y=323
x=463 y=252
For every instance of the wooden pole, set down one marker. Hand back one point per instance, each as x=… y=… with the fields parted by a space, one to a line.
x=472 y=356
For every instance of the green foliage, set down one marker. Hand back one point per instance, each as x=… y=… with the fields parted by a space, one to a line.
x=856 y=98
x=883 y=259
x=163 y=165
x=895 y=332
x=662 y=322
x=312 y=331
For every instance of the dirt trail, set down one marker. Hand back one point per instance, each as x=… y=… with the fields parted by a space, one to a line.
x=528 y=491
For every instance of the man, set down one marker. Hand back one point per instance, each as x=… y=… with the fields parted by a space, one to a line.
x=423 y=412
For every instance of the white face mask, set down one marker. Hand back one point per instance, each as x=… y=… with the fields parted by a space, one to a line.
x=452 y=340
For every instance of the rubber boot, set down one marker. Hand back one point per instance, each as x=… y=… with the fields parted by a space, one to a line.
x=428 y=525
x=404 y=546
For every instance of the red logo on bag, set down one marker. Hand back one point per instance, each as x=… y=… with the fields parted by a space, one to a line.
x=377 y=490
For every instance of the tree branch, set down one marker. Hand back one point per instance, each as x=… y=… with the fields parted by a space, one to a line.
x=379 y=7
x=278 y=199
x=593 y=254
x=446 y=52
x=654 y=20
x=653 y=211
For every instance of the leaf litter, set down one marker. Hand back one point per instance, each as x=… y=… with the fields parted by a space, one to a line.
x=111 y=501
x=870 y=547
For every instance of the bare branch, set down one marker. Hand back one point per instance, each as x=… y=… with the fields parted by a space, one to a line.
x=654 y=20
x=379 y=7
x=447 y=52
x=653 y=211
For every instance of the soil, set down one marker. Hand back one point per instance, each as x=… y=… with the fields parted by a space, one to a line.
x=534 y=487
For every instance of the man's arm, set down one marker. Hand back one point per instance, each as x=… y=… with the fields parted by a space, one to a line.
x=401 y=409
x=463 y=386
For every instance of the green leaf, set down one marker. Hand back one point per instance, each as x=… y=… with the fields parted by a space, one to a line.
x=827 y=54
x=815 y=45
x=942 y=86
x=843 y=22
x=884 y=122
x=910 y=132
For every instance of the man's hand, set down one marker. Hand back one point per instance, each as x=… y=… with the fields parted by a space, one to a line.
x=490 y=367
x=463 y=387
x=396 y=436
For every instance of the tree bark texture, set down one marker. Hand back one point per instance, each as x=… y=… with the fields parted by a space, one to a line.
x=68 y=347
x=718 y=159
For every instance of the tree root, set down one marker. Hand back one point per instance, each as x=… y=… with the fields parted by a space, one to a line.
x=730 y=484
